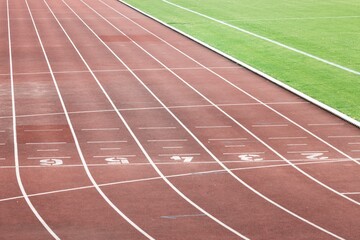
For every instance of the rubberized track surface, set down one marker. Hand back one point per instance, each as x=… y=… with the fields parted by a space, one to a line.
x=115 y=127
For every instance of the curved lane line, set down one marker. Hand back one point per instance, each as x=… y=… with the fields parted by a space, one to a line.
x=103 y=195
x=194 y=137
x=247 y=130
x=16 y=156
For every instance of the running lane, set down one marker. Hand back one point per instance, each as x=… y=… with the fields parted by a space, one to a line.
x=21 y=215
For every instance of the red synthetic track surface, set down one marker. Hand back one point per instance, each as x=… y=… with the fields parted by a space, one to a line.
x=127 y=130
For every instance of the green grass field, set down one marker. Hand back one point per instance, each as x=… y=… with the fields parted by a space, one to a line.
x=328 y=29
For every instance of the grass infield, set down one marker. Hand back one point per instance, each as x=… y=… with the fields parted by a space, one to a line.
x=326 y=29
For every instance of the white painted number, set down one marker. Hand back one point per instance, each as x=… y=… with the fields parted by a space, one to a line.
x=315 y=156
x=250 y=157
x=51 y=162
x=184 y=159
x=117 y=160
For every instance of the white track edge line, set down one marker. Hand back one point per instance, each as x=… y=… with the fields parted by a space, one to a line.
x=16 y=156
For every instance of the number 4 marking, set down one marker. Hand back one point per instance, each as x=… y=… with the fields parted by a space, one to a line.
x=117 y=160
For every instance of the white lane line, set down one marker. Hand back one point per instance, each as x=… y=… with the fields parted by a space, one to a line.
x=354 y=143
x=179 y=154
x=45 y=143
x=242 y=153
x=267 y=39
x=2 y=159
x=353 y=136
x=183 y=216
x=48 y=150
x=270 y=125
x=352 y=193
x=77 y=144
x=286 y=138
x=326 y=124
x=210 y=127
x=101 y=142
x=156 y=128
x=119 y=156
x=43 y=130
x=2 y=131
x=117 y=70
x=154 y=108
x=52 y=157
x=234 y=146
x=100 y=129
x=16 y=156
x=227 y=139
x=167 y=140
x=137 y=140
x=175 y=147
x=355 y=150
x=297 y=144
x=2 y=144
x=109 y=149
x=315 y=151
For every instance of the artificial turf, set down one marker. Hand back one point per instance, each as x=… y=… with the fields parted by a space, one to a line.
x=327 y=29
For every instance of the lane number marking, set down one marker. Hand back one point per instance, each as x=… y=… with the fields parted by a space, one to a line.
x=184 y=159
x=51 y=162
x=315 y=156
x=117 y=160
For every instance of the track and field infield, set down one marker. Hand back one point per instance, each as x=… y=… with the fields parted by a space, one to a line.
x=312 y=46
x=113 y=126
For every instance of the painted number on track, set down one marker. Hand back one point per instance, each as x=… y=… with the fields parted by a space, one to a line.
x=51 y=162
x=250 y=157
x=184 y=159
x=315 y=156
x=117 y=160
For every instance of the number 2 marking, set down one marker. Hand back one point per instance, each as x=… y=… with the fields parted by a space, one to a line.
x=315 y=156
x=117 y=160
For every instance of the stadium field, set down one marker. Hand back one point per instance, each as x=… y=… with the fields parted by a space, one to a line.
x=312 y=46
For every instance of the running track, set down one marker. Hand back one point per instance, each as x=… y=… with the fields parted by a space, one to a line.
x=114 y=127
